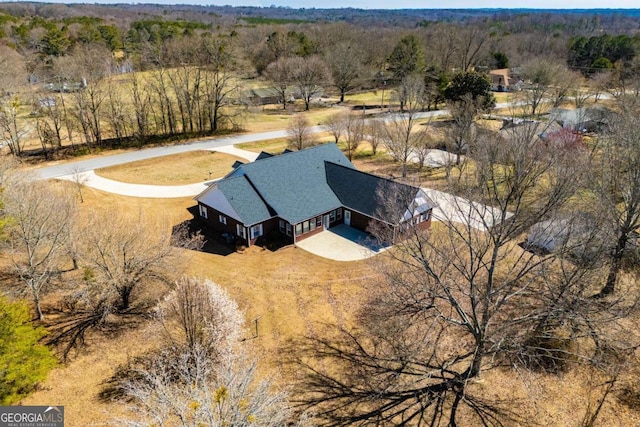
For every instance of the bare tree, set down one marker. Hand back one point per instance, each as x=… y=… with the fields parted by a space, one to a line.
x=14 y=130
x=280 y=73
x=563 y=86
x=353 y=132
x=53 y=119
x=310 y=75
x=471 y=40
x=374 y=133
x=41 y=218
x=462 y=132
x=345 y=66
x=84 y=71
x=125 y=253
x=220 y=83
x=141 y=100
x=401 y=130
x=200 y=316
x=617 y=186
x=299 y=132
x=541 y=77
x=118 y=115
x=79 y=179
x=335 y=124
x=464 y=299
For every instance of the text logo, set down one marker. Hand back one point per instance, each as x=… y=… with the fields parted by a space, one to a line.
x=31 y=416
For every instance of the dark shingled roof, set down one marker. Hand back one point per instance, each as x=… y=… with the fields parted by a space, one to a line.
x=264 y=155
x=294 y=184
x=360 y=191
x=245 y=200
x=299 y=185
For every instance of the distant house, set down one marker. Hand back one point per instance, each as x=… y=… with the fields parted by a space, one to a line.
x=577 y=235
x=582 y=119
x=531 y=130
x=298 y=194
x=505 y=80
x=263 y=96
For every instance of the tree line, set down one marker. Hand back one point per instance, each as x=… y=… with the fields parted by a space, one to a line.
x=187 y=74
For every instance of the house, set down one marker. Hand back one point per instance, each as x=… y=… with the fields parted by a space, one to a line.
x=578 y=235
x=582 y=119
x=505 y=80
x=297 y=194
x=527 y=130
x=263 y=96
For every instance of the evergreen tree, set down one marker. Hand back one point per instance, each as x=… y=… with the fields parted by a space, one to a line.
x=23 y=360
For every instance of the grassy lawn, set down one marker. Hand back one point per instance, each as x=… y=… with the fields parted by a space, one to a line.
x=273 y=117
x=177 y=169
x=278 y=145
x=269 y=145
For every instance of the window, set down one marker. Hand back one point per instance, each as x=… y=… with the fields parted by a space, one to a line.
x=298 y=229
x=339 y=213
x=282 y=226
x=305 y=227
x=319 y=221
x=203 y=211
x=256 y=231
x=240 y=231
x=222 y=219
x=332 y=216
x=312 y=224
x=424 y=216
x=288 y=229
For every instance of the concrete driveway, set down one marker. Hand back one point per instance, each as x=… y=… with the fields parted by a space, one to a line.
x=90 y=179
x=341 y=243
x=452 y=208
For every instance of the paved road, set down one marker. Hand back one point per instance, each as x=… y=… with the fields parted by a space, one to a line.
x=69 y=168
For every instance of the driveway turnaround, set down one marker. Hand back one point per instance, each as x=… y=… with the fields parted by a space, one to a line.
x=90 y=179
x=341 y=243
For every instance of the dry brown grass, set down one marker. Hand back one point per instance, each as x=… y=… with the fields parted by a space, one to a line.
x=290 y=290
x=177 y=169
x=273 y=117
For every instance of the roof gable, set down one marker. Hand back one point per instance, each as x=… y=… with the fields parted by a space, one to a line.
x=362 y=192
x=245 y=200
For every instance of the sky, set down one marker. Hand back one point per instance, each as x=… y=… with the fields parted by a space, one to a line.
x=396 y=4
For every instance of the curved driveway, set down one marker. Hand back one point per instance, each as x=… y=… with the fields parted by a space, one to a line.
x=90 y=179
